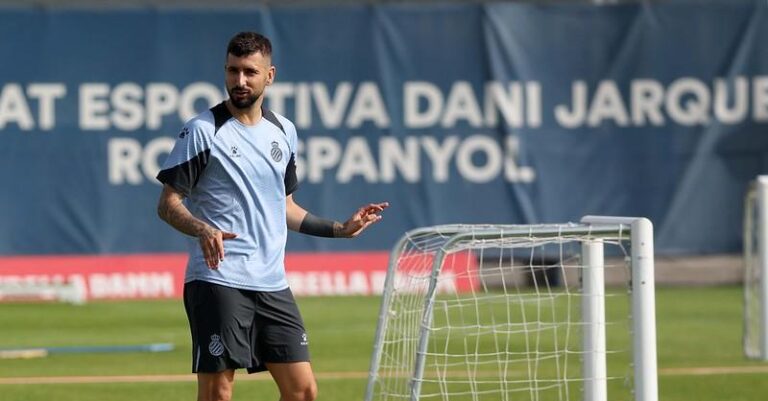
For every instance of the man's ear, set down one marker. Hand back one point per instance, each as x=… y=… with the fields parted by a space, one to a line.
x=272 y=73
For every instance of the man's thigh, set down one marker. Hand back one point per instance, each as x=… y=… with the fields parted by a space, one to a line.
x=294 y=379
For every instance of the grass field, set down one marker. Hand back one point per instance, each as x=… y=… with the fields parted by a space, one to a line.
x=697 y=328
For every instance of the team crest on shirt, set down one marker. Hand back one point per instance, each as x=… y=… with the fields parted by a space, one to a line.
x=235 y=152
x=215 y=347
x=276 y=153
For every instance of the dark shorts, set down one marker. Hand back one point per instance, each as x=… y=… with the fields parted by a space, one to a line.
x=233 y=328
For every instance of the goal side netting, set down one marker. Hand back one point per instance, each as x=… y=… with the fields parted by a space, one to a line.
x=519 y=312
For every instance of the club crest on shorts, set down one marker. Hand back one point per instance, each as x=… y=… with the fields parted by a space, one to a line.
x=276 y=153
x=304 y=340
x=215 y=347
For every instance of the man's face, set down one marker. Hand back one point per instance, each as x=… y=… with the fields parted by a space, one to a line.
x=246 y=78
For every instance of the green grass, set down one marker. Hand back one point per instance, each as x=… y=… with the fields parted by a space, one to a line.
x=697 y=327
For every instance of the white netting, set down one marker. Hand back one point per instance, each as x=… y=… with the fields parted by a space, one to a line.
x=506 y=321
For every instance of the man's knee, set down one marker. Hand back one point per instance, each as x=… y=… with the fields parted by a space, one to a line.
x=311 y=392
x=218 y=393
x=215 y=387
x=295 y=380
x=306 y=392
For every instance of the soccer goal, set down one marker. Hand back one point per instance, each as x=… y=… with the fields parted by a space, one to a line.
x=467 y=315
x=755 y=270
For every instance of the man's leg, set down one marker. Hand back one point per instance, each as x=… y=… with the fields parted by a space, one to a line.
x=219 y=321
x=295 y=380
x=215 y=386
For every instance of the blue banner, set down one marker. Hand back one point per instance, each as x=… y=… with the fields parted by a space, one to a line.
x=457 y=113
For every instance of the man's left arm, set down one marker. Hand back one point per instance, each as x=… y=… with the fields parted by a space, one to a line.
x=302 y=221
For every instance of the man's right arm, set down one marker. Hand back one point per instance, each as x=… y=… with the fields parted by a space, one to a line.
x=172 y=210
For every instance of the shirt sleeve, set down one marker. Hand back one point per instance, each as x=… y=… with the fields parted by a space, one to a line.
x=291 y=180
x=188 y=159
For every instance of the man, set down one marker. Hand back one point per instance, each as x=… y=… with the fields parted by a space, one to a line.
x=235 y=165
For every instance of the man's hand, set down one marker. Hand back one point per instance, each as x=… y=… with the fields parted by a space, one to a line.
x=171 y=209
x=212 y=245
x=360 y=220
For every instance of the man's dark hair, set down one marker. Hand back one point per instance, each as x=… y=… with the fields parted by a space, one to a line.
x=247 y=43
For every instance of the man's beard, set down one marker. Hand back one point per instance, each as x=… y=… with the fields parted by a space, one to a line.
x=242 y=103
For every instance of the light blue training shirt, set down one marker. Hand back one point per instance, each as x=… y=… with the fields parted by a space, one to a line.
x=236 y=177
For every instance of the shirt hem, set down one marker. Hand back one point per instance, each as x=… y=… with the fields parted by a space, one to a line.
x=239 y=286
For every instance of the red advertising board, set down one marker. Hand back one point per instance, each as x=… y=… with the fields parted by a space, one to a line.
x=162 y=275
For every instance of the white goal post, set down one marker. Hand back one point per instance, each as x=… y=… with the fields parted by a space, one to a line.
x=755 y=337
x=467 y=314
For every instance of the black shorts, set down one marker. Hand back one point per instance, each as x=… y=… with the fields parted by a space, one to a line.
x=233 y=328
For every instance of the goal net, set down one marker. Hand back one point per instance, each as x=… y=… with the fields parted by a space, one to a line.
x=755 y=335
x=518 y=312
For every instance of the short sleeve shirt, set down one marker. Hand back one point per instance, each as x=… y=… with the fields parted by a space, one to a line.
x=236 y=177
